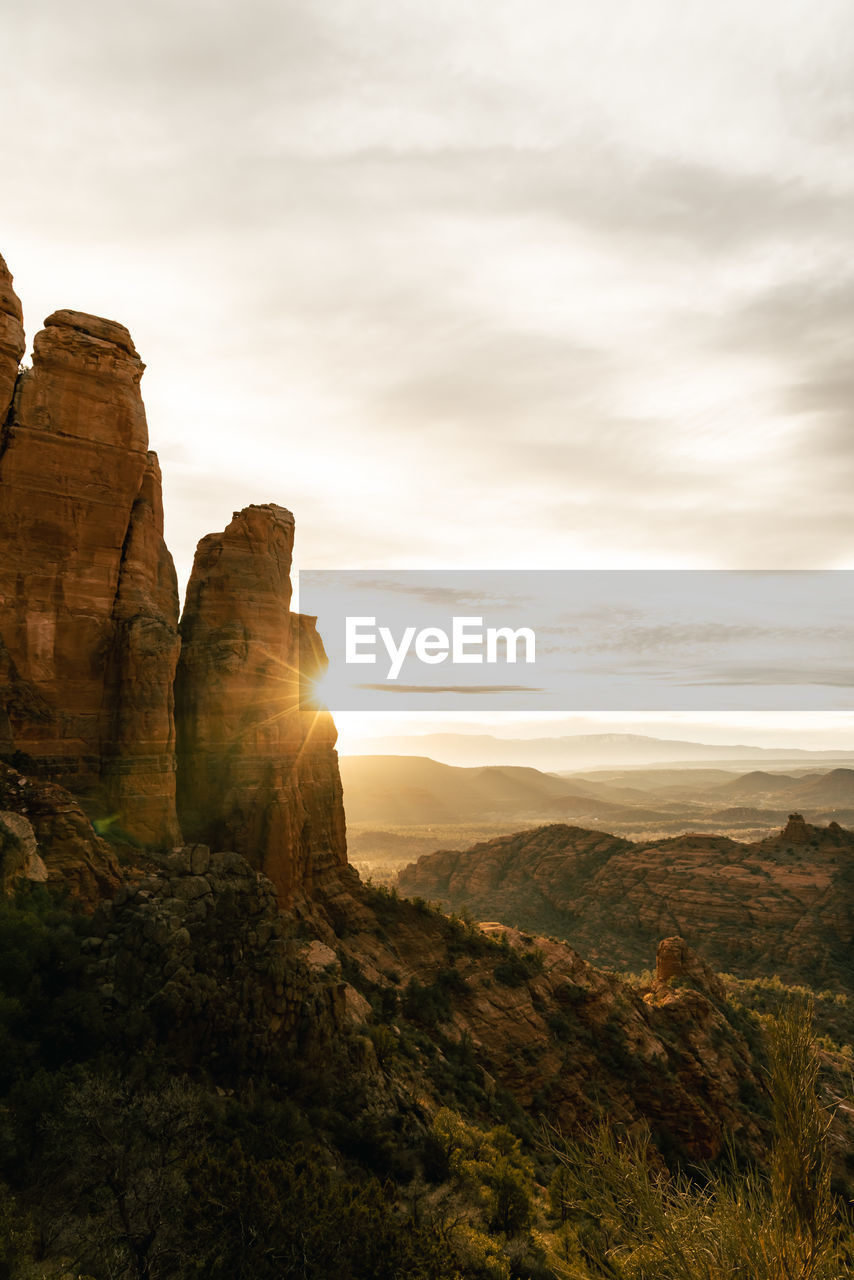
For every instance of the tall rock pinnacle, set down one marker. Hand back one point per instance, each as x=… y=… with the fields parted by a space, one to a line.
x=88 y=597
x=256 y=773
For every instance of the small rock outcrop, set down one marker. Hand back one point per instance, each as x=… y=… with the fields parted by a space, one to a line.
x=88 y=626
x=255 y=772
x=19 y=854
x=796 y=829
x=65 y=850
x=674 y=959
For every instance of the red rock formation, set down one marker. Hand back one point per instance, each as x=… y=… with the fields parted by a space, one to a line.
x=781 y=905
x=88 y=600
x=89 y=625
x=675 y=959
x=796 y=829
x=255 y=773
x=11 y=342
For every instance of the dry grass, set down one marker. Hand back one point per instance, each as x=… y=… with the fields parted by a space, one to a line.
x=629 y=1219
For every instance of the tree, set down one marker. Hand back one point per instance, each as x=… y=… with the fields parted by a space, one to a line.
x=120 y=1154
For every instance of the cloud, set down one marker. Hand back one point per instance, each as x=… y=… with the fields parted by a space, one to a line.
x=503 y=283
x=450 y=688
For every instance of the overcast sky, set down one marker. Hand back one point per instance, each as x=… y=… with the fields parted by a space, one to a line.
x=503 y=283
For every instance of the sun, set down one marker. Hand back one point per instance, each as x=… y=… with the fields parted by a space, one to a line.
x=320 y=689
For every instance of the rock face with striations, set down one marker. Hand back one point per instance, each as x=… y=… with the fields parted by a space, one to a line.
x=255 y=773
x=783 y=905
x=88 y=595
x=11 y=342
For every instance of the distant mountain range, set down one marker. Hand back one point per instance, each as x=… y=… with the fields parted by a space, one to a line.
x=412 y=791
x=590 y=751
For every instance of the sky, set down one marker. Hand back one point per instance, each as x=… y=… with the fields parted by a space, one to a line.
x=473 y=283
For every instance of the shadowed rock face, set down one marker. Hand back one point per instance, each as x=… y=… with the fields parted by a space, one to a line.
x=256 y=774
x=11 y=342
x=88 y=596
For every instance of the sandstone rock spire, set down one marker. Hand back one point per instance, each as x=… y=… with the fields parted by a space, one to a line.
x=88 y=601
x=256 y=774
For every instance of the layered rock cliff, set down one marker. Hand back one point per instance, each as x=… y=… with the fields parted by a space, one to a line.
x=783 y=905
x=255 y=772
x=88 y=595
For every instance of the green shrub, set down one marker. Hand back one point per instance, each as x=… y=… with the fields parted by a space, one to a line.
x=518 y=967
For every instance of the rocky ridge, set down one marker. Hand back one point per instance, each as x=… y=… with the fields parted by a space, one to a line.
x=566 y=1040
x=782 y=905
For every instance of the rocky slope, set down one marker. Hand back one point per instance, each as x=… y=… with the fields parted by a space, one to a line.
x=782 y=905
x=419 y=1009
x=565 y=1040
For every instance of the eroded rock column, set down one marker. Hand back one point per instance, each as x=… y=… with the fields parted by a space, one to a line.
x=88 y=601
x=255 y=773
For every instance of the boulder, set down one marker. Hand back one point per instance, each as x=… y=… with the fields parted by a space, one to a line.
x=19 y=855
x=64 y=850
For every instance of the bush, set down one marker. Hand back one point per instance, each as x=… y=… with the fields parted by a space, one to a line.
x=426 y=1005
x=518 y=967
